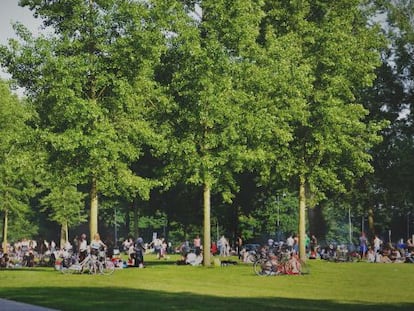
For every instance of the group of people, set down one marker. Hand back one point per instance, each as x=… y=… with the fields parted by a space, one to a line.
x=23 y=252
x=380 y=252
x=373 y=250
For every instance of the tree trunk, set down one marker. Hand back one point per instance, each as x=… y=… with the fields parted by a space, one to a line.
x=63 y=234
x=93 y=222
x=302 y=218
x=207 y=229
x=371 y=222
x=5 y=229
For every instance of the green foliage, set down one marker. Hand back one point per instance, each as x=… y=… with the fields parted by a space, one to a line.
x=389 y=188
x=207 y=139
x=135 y=95
x=65 y=203
x=157 y=221
x=91 y=83
x=21 y=226
x=18 y=159
x=271 y=216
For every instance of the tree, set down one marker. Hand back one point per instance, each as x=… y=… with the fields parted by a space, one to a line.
x=91 y=83
x=330 y=139
x=65 y=203
x=208 y=122
x=17 y=166
x=391 y=98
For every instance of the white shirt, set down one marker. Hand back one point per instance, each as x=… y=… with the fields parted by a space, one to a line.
x=83 y=246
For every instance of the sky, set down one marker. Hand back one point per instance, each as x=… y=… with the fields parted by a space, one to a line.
x=11 y=12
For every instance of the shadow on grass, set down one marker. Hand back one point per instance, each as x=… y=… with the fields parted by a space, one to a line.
x=118 y=299
x=160 y=262
x=26 y=269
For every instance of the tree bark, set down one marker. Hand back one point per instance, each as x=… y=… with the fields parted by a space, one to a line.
x=207 y=229
x=371 y=222
x=302 y=218
x=5 y=229
x=63 y=234
x=93 y=222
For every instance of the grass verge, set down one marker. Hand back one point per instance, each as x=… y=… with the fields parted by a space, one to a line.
x=164 y=286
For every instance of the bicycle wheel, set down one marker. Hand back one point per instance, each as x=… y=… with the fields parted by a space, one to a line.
x=262 y=267
x=107 y=267
x=251 y=258
x=95 y=267
x=75 y=268
x=66 y=270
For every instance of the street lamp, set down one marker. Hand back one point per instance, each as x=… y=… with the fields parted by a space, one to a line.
x=278 y=211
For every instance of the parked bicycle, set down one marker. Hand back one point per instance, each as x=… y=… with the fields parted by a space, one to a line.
x=93 y=264
x=280 y=263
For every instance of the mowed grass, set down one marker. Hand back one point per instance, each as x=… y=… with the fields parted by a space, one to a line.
x=162 y=285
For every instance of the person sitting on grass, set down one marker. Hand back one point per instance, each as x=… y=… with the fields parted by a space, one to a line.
x=5 y=261
x=193 y=259
x=371 y=255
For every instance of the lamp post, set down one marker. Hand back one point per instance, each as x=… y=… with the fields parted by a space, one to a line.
x=115 y=230
x=278 y=215
x=278 y=211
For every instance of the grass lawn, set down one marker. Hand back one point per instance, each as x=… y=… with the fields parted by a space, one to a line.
x=164 y=286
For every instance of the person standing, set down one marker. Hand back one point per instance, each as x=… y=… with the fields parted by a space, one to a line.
x=224 y=247
x=197 y=245
x=213 y=248
x=313 y=247
x=83 y=247
x=296 y=244
x=139 y=250
x=239 y=246
x=75 y=247
x=290 y=242
x=157 y=243
x=164 y=248
x=377 y=244
x=363 y=245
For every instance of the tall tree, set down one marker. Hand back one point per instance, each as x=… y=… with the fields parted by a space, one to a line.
x=91 y=81
x=330 y=141
x=17 y=166
x=209 y=46
x=65 y=204
x=391 y=98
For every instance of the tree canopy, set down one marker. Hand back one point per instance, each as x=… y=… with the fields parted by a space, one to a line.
x=149 y=104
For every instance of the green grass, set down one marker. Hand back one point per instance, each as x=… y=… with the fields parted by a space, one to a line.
x=165 y=286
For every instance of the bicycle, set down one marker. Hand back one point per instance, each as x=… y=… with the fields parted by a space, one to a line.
x=106 y=266
x=281 y=263
x=93 y=264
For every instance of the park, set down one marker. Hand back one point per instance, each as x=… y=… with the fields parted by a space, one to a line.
x=162 y=285
x=186 y=122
